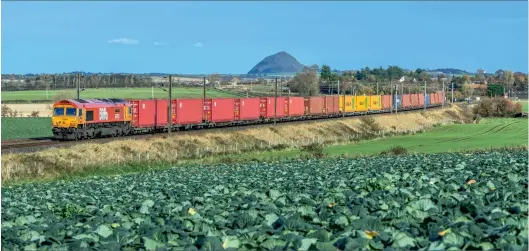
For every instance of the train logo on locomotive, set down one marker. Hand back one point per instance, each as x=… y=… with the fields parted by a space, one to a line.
x=103 y=114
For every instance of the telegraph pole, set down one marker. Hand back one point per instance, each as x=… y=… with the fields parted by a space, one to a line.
x=275 y=104
x=281 y=86
x=443 y=92
x=204 y=87
x=424 y=96
x=452 y=92
x=377 y=88
x=396 y=93
x=170 y=113
x=78 y=85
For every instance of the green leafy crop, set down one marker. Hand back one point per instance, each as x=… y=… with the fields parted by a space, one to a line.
x=419 y=202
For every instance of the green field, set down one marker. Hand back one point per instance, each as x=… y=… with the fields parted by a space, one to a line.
x=139 y=93
x=23 y=128
x=489 y=133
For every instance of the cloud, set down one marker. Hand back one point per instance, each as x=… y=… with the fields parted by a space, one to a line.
x=159 y=43
x=198 y=44
x=123 y=41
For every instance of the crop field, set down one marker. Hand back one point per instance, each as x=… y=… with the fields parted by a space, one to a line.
x=139 y=93
x=489 y=133
x=23 y=128
x=434 y=202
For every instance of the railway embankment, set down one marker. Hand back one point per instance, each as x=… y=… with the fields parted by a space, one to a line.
x=56 y=162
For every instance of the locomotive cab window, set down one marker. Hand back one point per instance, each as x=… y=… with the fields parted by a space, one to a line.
x=80 y=112
x=117 y=110
x=71 y=112
x=58 y=111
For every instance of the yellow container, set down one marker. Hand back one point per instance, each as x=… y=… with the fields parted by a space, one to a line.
x=361 y=103
x=349 y=103
x=375 y=103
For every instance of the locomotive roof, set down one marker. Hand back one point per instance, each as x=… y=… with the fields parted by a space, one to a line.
x=91 y=103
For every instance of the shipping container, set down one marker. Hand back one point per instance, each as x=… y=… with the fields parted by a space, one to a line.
x=331 y=104
x=314 y=105
x=149 y=113
x=406 y=101
x=375 y=103
x=386 y=102
x=414 y=98
x=348 y=102
x=361 y=103
x=421 y=100
x=296 y=106
x=268 y=108
x=219 y=110
x=427 y=99
x=188 y=111
x=433 y=98
x=247 y=108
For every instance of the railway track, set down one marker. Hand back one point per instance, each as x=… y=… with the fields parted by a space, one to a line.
x=39 y=144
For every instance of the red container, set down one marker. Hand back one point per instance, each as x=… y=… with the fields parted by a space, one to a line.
x=187 y=111
x=386 y=102
x=248 y=108
x=219 y=110
x=433 y=98
x=414 y=100
x=331 y=104
x=268 y=108
x=421 y=100
x=296 y=106
x=406 y=101
x=314 y=105
x=149 y=113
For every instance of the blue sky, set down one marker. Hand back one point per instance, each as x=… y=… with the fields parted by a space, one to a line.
x=231 y=37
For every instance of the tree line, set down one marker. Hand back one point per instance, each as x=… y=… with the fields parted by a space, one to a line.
x=380 y=80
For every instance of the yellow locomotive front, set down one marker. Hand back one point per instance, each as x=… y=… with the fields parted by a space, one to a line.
x=65 y=119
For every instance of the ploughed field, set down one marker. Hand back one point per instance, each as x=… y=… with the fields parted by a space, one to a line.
x=433 y=202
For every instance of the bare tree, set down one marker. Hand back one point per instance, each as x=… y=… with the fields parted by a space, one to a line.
x=306 y=83
x=508 y=80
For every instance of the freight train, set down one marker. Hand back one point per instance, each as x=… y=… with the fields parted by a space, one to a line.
x=77 y=119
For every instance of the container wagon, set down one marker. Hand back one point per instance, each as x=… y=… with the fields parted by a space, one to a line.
x=386 y=102
x=347 y=104
x=296 y=107
x=219 y=110
x=314 y=106
x=374 y=103
x=406 y=101
x=332 y=105
x=268 y=108
x=149 y=115
x=187 y=111
x=247 y=109
x=421 y=100
x=361 y=103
